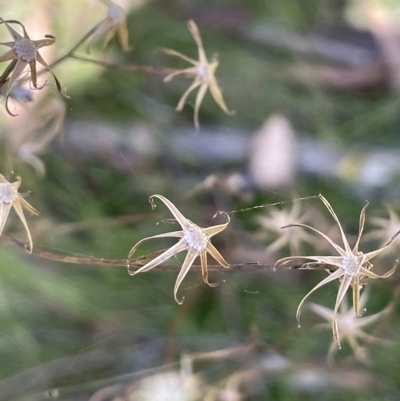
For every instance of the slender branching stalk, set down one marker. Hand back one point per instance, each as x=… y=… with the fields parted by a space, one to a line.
x=141 y=261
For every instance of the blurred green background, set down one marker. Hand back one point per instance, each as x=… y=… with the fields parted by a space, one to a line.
x=327 y=72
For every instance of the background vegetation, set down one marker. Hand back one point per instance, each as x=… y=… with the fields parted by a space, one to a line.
x=327 y=68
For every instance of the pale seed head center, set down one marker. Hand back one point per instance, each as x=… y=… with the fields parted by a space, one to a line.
x=351 y=264
x=203 y=72
x=347 y=324
x=25 y=50
x=116 y=14
x=8 y=193
x=195 y=238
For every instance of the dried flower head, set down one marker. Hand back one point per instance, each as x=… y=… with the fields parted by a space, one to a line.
x=181 y=385
x=386 y=227
x=234 y=184
x=194 y=239
x=352 y=267
x=272 y=228
x=203 y=73
x=169 y=384
x=24 y=52
x=113 y=23
x=350 y=327
x=9 y=197
x=30 y=136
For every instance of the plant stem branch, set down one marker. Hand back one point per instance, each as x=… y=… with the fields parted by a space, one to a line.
x=72 y=50
x=125 y=67
x=139 y=262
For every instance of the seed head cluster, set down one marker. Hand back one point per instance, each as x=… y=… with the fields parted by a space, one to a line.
x=350 y=267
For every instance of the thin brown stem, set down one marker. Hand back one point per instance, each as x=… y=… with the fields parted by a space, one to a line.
x=66 y=55
x=72 y=50
x=74 y=259
x=139 y=262
x=125 y=67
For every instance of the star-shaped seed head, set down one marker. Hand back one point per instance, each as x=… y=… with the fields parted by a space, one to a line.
x=23 y=52
x=30 y=135
x=174 y=385
x=203 y=73
x=115 y=22
x=350 y=327
x=9 y=197
x=351 y=267
x=193 y=239
x=273 y=222
x=386 y=227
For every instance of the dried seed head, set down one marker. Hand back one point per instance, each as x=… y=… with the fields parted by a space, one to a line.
x=25 y=50
x=8 y=193
x=351 y=264
x=195 y=238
